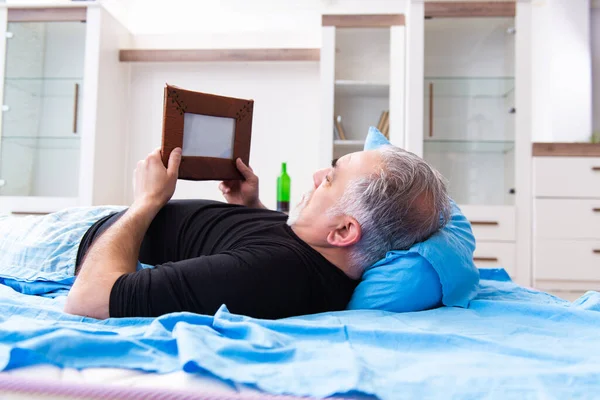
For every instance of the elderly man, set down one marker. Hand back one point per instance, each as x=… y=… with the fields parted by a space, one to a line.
x=258 y=262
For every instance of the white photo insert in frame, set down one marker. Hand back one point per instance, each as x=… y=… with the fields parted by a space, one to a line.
x=208 y=136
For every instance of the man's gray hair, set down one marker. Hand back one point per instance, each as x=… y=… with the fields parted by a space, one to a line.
x=403 y=204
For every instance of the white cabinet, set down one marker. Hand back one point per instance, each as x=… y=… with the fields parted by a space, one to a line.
x=362 y=76
x=495 y=255
x=567 y=177
x=63 y=121
x=469 y=127
x=567 y=219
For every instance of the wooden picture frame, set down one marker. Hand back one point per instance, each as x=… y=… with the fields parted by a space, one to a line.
x=216 y=124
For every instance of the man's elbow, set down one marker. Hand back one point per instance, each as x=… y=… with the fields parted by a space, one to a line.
x=85 y=307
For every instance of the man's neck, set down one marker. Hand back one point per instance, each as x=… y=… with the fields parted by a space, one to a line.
x=338 y=256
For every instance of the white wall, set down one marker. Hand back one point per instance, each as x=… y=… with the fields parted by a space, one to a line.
x=286 y=117
x=561 y=61
x=219 y=24
x=111 y=151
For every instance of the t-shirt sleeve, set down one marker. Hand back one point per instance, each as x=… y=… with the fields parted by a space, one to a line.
x=259 y=282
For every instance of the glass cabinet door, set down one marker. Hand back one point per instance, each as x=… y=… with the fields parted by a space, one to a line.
x=469 y=114
x=41 y=121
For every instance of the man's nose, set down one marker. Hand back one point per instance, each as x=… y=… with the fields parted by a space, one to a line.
x=319 y=176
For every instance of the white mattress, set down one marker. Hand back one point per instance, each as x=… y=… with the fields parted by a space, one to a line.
x=179 y=381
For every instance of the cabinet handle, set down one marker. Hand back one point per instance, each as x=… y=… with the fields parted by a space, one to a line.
x=29 y=213
x=596 y=251
x=76 y=108
x=485 y=223
x=597 y=169
x=430 y=109
x=596 y=210
x=491 y=259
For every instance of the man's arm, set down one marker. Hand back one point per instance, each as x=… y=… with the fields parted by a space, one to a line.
x=116 y=251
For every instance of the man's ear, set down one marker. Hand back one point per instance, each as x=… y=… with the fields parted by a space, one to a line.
x=347 y=233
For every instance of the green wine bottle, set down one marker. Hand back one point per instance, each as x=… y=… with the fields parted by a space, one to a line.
x=283 y=190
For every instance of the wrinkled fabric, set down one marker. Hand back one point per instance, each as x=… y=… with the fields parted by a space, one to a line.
x=511 y=342
x=43 y=249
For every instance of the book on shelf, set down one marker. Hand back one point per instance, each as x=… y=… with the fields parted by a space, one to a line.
x=339 y=127
x=381 y=119
x=384 y=123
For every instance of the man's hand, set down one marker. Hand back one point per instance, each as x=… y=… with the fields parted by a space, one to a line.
x=152 y=182
x=244 y=192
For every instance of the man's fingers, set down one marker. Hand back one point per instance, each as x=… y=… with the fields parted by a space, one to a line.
x=228 y=186
x=174 y=161
x=244 y=169
x=224 y=188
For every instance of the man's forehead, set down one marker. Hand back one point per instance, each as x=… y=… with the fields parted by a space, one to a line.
x=362 y=160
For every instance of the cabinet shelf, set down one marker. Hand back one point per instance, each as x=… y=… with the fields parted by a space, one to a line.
x=42 y=142
x=40 y=88
x=361 y=88
x=72 y=137
x=468 y=146
x=45 y=78
x=349 y=143
x=500 y=87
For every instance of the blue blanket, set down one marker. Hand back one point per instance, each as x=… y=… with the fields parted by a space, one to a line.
x=511 y=342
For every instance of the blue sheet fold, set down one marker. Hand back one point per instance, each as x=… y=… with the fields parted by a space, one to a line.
x=511 y=342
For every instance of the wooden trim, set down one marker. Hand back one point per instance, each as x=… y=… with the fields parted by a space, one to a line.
x=443 y=9
x=484 y=223
x=76 y=108
x=566 y=149
x=430 y=109
x=201 y=55
x=29 y=213
x=47 y=14
x=362 y=20
x=177 y=103
x=490 y=259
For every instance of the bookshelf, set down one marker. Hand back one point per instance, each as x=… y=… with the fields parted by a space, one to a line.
x=362 y=76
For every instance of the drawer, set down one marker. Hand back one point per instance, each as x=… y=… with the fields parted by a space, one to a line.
x=567 y=177
x=496 y=255
x=491 y=222
x=568 y=260
x=567 y=219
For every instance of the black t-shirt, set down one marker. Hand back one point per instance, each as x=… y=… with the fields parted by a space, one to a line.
x=210 y=253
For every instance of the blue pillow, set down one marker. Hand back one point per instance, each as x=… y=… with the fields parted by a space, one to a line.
x=438 y=271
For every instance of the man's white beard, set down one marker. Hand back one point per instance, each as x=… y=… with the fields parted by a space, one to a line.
x=296 y=211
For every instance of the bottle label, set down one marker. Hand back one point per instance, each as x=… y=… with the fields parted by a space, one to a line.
x=283 y=206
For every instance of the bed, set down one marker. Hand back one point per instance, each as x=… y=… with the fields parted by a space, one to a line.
x=511 y=342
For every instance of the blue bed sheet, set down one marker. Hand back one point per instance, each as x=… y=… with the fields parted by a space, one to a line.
x=511 y=342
